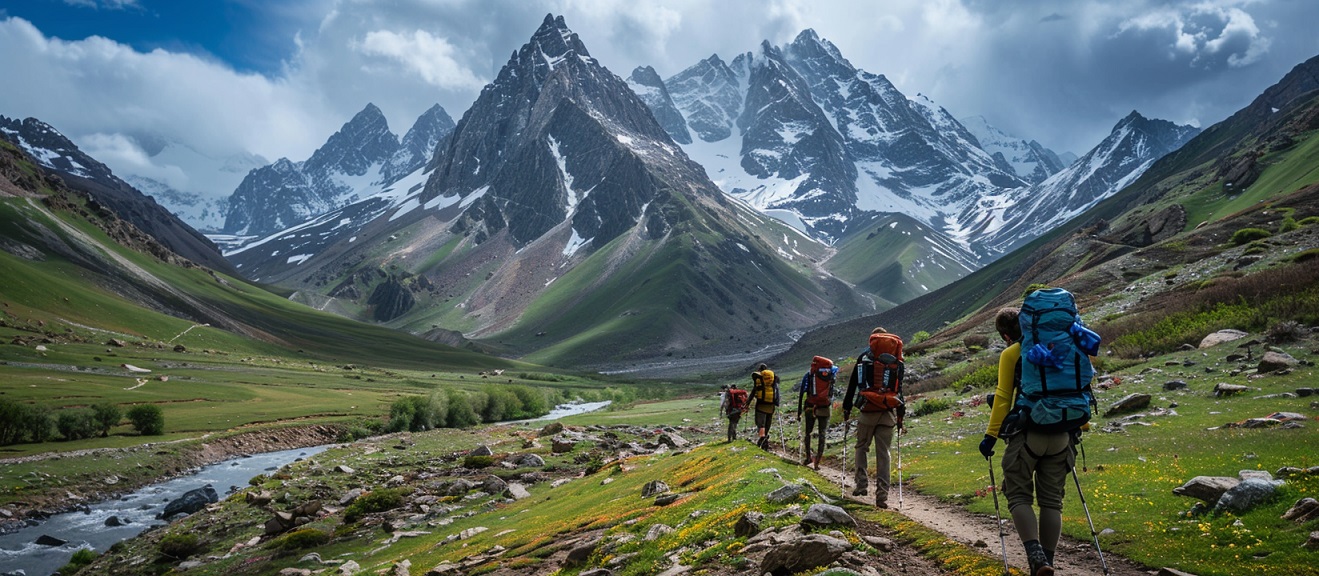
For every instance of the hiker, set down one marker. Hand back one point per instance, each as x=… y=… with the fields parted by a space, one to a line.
x=1041 y=436
x=815 y=391
x=734 y=404
x=875 y=388
x=765 y=389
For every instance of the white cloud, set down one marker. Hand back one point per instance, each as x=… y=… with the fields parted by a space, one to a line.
x=430 y=57
x=106 y=4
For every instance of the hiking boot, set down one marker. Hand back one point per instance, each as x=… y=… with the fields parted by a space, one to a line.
x=859 y=491
x=817 y=463
x=881 y=500
x=806 y=461
x=1040 y=565
x=884 y=505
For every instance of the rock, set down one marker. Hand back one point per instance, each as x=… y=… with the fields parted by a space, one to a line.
x=400 y=568
x=1224 y=389
x=1288 y=471
x=1247 y=495
x=445 y=568
x=264 y=497
x=673 y=440
x=1174 y=385
x=517 y=491
x=1304 y=510
x=581 y=553
x=666 y=499
x=654 y=488
x=481 y=450
x=657 y=531
x=48 y=540
x=344 y=469
x=1130 y=403
x=802 y=554
x=493 y=485
x=1276 y=361
x=117 y=343
x=470 y=532
x=1304 y=392
x=1313 y=542
x=459 y=487
x=1248 y=474
x=312 y=557
x=787 y=493
x=748 y=525
x=550 y=429
x=529 y=461
x=114 y=521
x=827 y=515
x=880 y=543
x=562 y=445
x=294 y=572
x=597 y=572
x=1207 y=488
x=1172 y=572
x=191 y=501
x=348 y=498
x=1221 y=337
x=348 y=568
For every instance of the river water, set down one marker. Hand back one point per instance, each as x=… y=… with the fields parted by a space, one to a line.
x=18 y=550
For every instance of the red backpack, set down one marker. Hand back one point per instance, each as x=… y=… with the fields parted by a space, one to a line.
x=881 y=373
x=819 y=388
x=737 y=401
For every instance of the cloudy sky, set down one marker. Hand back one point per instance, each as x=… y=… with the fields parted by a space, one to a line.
x=276 y=78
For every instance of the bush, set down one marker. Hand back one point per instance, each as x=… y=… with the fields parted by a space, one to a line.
x=1286 y=331
x=984 y=376
x=931 y=406
x=975 y=342
x=107 y=417
x=919 y=337
x=76 y=423
x=302 y=539
x=1288 y=224
x=24 y=422
x=147 y=419
x=78 y=561
x=476 y=462
x=417 y=414
x=372 y=502
x=1248 y=235
x=1304 y=255
x=180 y=546
x=1308 y=220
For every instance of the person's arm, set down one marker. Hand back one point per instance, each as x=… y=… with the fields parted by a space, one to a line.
x=852 y=382
x=801 y=392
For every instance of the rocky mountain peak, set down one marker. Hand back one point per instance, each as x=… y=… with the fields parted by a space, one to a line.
x=648 y=85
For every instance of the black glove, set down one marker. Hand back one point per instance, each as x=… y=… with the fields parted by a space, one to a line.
x=987 y=446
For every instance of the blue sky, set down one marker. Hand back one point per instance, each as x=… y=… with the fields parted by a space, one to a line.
x=276 y=78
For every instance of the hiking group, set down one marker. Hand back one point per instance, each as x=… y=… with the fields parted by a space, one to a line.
x=1042 y=403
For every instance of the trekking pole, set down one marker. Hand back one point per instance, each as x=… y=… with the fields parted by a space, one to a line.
x=898 y=431
x=1093 y=534
x=998 y=517
x=842 y=469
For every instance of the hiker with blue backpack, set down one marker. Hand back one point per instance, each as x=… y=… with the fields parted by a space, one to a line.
x=875 y=388
x=1042 y=400
x=815 y=393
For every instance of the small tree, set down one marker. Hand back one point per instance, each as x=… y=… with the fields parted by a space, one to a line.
x=107 y=417
x=76 y=423
x=39 y=423
x=147 y=419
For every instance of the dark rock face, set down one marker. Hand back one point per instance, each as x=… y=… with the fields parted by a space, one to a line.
x=418 y=144
x=650 y=88
x=709 y=94
x=391 y=300
x=191 y=501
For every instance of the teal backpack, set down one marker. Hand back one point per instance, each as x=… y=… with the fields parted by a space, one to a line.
x=1056 y=346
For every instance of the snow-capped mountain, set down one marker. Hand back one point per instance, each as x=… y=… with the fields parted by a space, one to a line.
x=650 y=87
x=52 y=150
x=358 y=160
x=1016 y=216
x=1028 y=159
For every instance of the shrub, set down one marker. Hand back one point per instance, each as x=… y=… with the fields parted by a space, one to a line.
x=78 y=561
x=301 y=539
x=932 y=405
x=1288 y=224
x=417 y=413
x=39 y=423
x=984 y=376
x=23 y=422
x=372 y=502
x=1286 y=331
x=76 y=423
x=919 y=337
x=1248 y=235
x=1308 y=220
x=107 y=416
x=147 y=419
x=975 y=341
x=1304 y=255
x=180 y=546
x=476 y=462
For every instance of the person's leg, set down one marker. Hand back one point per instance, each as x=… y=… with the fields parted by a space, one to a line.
x=762 y=423
x=1019 y=487
x=806 y=436
x=732 y=427
x=865 y=432
x=822 y=426
x=1055 y=462
x=883 y=440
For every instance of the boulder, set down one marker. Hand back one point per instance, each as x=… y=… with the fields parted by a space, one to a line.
x=657 y=531
x=1129 y=403
x=827 y=515
x=342 y=469
x=803 y=553
x=666 y=499
x=48 y=540
x=1174 y=385
x=191 y=501
x=1221 y=337
x=481 y=450
x=581 y=553
x=673 y=440
x=1313 y=542
x=493 y=485
x=1276 y=362
x=654 y=488
x=1247 y=495
x=516 y=491
x=550 y=429
x=1304 y=510
x=787 y=493
x=1207 y=488
x=1224 y=389
x=748 y=525
x=562 y=445
x=529 y=461
x=114 y=521
x=459 y=487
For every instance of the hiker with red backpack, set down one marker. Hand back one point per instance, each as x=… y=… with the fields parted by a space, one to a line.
x=875 y=388
x=765 y=389
x=1042 y=401
x=734 y=404
x=815 y=391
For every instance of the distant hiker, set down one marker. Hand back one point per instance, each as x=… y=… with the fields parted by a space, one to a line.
x=765 y=389
x=1039 y=408
x=815 y=391
x=875 y=388
x=735 y=403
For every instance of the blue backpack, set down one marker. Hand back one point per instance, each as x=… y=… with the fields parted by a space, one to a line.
x=1055 y=376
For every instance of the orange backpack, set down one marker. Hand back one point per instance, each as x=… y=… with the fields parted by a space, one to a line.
x=881 y=373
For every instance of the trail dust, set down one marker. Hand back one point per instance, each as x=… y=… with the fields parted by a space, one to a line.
x=979 y=531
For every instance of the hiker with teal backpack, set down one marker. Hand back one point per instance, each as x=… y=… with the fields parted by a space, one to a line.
x=875 y=388
x=815 y=392
x=765 y=389
x=1042 y=401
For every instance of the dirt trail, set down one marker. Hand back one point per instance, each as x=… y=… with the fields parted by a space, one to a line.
x=1074 y=557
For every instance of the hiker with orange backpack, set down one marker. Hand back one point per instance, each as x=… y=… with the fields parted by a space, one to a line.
x=815 y=391
x=765 y=389
x=875 y=388
x=735 y=403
